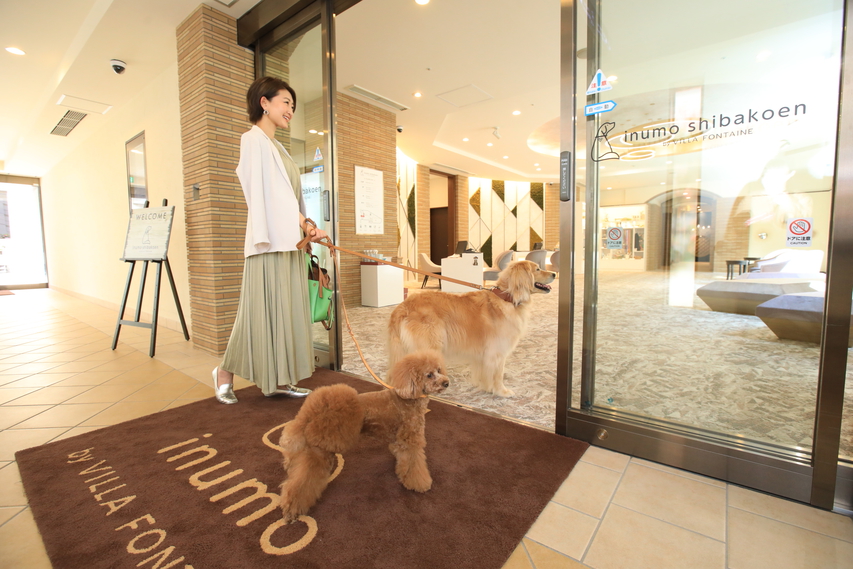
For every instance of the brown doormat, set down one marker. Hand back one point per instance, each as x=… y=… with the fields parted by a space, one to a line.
x=196 y=486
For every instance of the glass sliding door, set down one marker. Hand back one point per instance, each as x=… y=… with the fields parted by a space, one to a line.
x=705 y=168
x=22 y=254
x=294 y=52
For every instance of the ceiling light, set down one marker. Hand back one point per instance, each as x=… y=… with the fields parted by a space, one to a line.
x=418 y=94
x=516 y=113
x=422 y=2
x=538 y=169
x=506 y=157
x=698 y=179
x=537 y=164
x=609 y=188
x=464 y=140
x=663 y=183
x=685 y=194
x=612 y=78
x=669 y=161
x=15 y=50
x=321 y=133
x=312 y=131
x=488 y=144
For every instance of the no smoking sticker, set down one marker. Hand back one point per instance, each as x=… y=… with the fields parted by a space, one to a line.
x=800 y=232
x=614 y=238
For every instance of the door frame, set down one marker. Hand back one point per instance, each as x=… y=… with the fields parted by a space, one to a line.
x=817 y=477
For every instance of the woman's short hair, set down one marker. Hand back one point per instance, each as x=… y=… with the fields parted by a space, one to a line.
x=265 y=87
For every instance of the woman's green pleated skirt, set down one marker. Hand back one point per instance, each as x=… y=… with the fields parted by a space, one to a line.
x=271 y=343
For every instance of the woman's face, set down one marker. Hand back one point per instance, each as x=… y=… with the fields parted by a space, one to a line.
x=280 y=108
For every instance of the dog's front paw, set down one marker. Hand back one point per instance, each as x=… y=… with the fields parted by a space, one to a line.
x=504 y=391
x=418 y=483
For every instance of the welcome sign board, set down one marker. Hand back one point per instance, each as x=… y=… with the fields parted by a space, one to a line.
x=148 y=234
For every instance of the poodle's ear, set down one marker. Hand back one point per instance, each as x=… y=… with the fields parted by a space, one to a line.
x=519 y=281
x=405 y=378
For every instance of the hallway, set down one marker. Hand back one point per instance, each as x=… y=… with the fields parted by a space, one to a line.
x=58 y=378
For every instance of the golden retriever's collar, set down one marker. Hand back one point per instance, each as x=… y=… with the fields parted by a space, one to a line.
x=502 y=294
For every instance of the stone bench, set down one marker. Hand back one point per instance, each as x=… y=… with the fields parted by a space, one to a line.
x=796 y=316
x=742 y=296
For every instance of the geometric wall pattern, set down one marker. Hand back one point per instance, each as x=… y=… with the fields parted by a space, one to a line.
x=504 y=215
x=407 y=181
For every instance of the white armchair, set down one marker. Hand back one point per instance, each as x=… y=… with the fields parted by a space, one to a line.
x=425 y=264
x=499 y=264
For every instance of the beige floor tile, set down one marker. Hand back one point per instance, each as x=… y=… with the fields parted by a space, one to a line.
x=40 y=380
x=161 y=391
x=6 y=369
x=11 y=487
x=5 y=380
x=107 y=354
x=545 y=558
x=179 y=360
x=21 y=545
x=684 y=473
x=89 y=378
x=66 y=415
x=756 y=542
x=61 y=357
x=50 y=395
x=606 y=458
x=124 y=411
x=201 y=373
x=74 y=432
x=7 y=514
x=143 y=374
x=13 y=440
x=123 y=363
x=74 y=367
x=801 y=515
x=38 y=367
x=9 y=394
x=200 y=391
x=687 y=503
x=563 y=529
x=106 y=393
x=588 y=489
x=518 y=560
x=24 y=358
x=11 y=415
x=627 y=539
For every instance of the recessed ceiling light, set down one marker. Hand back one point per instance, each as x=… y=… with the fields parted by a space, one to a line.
x=506 y=157
x=312 y=131
x=663 y=183
x=15 y=50
x=538 y=169
x=488 y=144
x=464 y=140
x=422 y=2
x=516 y=112
x=609 y=188
x=537 y=164
x=698 y=179
x=685 y=194
x=669 y=161
x=321 y=133
x=418 y=94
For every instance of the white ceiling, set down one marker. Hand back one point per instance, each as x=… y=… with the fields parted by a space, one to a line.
x=505 y=50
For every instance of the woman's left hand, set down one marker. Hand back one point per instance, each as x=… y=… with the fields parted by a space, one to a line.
x=316 y=234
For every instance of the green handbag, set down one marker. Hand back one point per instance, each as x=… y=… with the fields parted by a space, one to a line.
x=319 y=294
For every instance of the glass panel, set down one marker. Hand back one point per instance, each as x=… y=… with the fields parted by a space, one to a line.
x=137 y=182
x=22 y=259
x=711 y=156
x=299 y=61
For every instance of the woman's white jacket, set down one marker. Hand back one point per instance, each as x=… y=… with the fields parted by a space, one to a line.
x=273 y=223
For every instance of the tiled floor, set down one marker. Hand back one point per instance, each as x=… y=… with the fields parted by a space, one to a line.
x=58 y=378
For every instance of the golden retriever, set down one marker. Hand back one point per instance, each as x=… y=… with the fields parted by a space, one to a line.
x=479 y=328
x=333 y=418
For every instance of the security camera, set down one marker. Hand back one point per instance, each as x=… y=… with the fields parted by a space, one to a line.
x=118 y=66
x=399 y=128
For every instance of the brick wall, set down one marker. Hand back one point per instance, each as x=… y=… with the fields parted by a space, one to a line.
x=367 y=137
x=462 y=196
x=552 y=215
x=423 y=235
x=214 y=74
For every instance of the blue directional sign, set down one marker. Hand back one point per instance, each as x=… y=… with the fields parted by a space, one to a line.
x=599 y=108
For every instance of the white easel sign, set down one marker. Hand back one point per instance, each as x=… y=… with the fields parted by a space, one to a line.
x=148 y=234
x=614 y=238
x=800 y=232
x=369 y=202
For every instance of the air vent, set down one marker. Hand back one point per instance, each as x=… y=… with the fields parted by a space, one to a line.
x=376 y=97
x=443 y=167
x=67 y=123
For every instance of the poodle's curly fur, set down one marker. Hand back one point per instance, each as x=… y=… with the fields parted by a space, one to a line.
x=333 y=418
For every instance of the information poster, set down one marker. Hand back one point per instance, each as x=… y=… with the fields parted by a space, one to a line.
x=148 y=234
x=369 y=202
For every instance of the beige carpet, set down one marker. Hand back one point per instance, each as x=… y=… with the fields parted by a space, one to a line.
x=717 y=371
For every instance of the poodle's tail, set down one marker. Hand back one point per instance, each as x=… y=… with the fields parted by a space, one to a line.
x=331 y=418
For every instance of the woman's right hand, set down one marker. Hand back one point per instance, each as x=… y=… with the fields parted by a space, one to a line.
x=316 y=234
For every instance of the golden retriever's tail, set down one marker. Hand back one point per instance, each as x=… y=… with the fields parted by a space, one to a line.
x=394 y=339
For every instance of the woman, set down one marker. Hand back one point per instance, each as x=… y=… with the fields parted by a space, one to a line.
x=270 y=343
